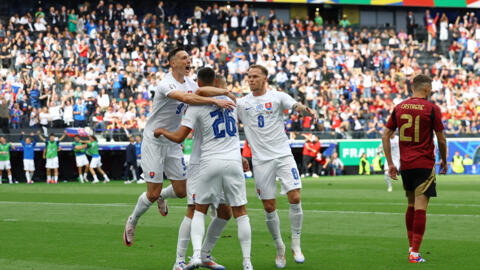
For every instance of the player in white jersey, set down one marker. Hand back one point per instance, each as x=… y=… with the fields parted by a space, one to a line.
x=261 y=112
x=394 y=142
x=220 y=144
x=205 y=77
x=161 y=156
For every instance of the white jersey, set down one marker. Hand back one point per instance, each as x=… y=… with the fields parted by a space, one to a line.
x=218 y=128
x=262 y=117
x=167 y=112
x=196 y=148
x=395 y=149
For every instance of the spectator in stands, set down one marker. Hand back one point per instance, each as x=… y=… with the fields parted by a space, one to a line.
x=4 y=115
x=336 y=164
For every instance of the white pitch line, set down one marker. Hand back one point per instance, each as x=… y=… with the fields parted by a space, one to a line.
x=395 y=204
x=248 y=209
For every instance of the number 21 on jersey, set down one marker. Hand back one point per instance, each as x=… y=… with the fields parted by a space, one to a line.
x=223 y=117
x=407 y=125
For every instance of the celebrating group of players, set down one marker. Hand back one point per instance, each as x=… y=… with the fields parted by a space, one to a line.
x=214 y=173
x=50 y=154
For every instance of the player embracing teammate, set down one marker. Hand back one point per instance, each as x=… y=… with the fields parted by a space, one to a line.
x=417 y=120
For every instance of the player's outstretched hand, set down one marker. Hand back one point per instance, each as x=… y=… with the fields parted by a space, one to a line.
x=443 y=167
x=23 y=133
x=393 y=172
x=226 y=104
x=158 y=132
x=246 y=166
x=313 y=113
x=232 y=96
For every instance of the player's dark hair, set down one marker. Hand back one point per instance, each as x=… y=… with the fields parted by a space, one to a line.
x=93 y=137
x=174 y=52
x=51 y=134
x=206 y=75
x=420 y=81
x=262 y=68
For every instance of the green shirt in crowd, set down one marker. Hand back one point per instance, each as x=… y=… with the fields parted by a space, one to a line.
x=5 y=152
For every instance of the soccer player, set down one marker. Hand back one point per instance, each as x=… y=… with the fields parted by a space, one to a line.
x=206 y=77
x=395 y=150
x=5 y=159
x=417 y=119
x=28 y=155
x=50 y=153
x=138 y=151
x=220 y=144
x=261 y=112
x=96 y=161
x=130 y=161
x=81 y=159
x=161 y=156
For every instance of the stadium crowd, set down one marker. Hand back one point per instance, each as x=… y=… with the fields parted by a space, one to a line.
x=96 y=65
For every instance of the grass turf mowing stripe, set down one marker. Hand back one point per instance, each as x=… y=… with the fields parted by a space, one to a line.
x=249 y=209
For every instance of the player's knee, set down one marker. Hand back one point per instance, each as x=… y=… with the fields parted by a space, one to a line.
x=153 y=195
x=180 y=193
x=269 y=208
x=294 y=199
x=224 y=213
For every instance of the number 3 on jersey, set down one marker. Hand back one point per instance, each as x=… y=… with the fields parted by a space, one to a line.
x=223 y=117
x=408 y=125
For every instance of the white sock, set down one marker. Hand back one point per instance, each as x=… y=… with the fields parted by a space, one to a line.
x=168 y=192
x=95 y=177
x=56 y=178
x=85 y=177
x=296 y=221
x=197 y=232
x=48 y=178
x=244 y=236
x=273 y=224
x=10 y=178
x=389 y=182
x=81 y=178
x=214 y=232
x=183 y=239
x=105 y=177
x=27 y=174
x=142 y=206
x=133 y=173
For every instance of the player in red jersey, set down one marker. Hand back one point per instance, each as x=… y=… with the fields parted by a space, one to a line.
x=417 y=119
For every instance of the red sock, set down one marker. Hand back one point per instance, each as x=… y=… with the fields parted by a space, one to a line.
x=418 y=229
x=409 y=222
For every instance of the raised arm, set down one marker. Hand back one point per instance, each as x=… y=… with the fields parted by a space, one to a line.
x=210 y=91
x=193 y=99
x=392 y=170
x=40 y=136
x=302 y=109
x=177 y=136
x=63 y=136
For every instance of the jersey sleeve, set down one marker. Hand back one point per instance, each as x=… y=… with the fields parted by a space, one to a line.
x=190 y=116
x=437 y=119
x=240 y=109
x=392 y=121
x=164 y=89
x=286 y=100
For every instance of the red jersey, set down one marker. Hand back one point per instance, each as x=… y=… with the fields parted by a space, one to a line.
x=416 y=119
x=246 y=152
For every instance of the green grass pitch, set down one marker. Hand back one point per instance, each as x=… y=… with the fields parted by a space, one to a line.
x=350 y=222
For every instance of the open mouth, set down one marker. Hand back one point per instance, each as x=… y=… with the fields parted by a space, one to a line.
x=188 y=68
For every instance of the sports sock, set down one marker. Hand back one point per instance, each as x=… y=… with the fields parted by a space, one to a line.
x=134 y=174
x=85 y=177
x=56 y=178
x=296 y=221
x=95 y=177
x=142 y=206
x=244 y=235
x=105 y=177
x=81 y=178
x=409 y=217
x=389 y=182
x=27 y=174
x=419 y=222
x=197 y=232
x=10 y=178
x=214 y=231
x=183 y=239
x=49 y=178
x=273 y=225
x=168 y=192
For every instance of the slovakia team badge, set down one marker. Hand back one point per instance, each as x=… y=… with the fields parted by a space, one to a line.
x=268 y=107
x=152 y=174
